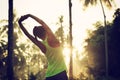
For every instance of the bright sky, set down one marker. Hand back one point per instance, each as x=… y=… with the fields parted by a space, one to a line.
x=51 y=10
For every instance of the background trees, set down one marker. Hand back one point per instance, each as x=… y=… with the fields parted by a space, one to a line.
x=114 y=45
x=96 y=49
x=27 y=58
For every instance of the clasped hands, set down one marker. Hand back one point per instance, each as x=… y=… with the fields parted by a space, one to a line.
x=22 y=18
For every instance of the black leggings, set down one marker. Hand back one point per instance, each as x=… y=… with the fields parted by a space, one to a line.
x=60 y=76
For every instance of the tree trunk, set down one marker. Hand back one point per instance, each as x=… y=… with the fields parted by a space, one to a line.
x=106 y=44
x=10 y=42
x=70 y=28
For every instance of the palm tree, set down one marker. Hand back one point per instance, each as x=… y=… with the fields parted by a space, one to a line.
x=86 y=3
x=108 y=4
x=10 y=42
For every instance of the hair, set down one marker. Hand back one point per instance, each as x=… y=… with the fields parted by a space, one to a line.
x=39 y=31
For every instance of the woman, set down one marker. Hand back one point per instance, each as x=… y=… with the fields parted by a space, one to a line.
x=50 y=46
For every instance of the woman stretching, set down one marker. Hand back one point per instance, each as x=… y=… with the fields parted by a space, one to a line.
x=49 y=45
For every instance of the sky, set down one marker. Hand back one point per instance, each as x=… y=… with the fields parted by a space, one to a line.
x=50 y=11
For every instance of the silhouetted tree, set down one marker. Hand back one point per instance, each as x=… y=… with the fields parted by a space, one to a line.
x=114 y=45
x=96 y=49
x=10 y=43
x=108 y=4
x=70 y=33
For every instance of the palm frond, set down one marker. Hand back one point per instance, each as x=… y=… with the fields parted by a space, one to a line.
x=87 y=3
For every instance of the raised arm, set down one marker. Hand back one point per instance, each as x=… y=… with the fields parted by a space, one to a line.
x=45 y=26
x=33 y=39
x=51 y=37
x=23 y=28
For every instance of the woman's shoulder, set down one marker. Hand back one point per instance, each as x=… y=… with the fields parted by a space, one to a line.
x=53 y=42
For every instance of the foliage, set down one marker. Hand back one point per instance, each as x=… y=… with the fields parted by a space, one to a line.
x=60 y=33
x=96 y=52
x=25 y=54
x=87 y=3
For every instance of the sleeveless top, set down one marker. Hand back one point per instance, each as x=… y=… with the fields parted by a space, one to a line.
x=55 y=59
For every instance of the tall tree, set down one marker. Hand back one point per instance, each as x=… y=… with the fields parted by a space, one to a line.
x=96 y=50
x=70 y=32
x=108 y=4
x=10 y=42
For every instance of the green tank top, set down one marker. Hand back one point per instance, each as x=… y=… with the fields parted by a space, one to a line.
x=56 y=63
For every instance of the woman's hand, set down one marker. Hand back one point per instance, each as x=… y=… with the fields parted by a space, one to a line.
x=22 y=18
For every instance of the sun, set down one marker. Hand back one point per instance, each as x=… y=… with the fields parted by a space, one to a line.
x=66 y=53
